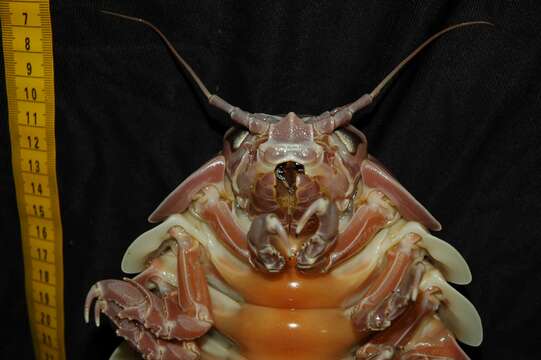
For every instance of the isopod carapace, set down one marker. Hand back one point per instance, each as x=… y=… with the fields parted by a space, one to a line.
x=292 y=243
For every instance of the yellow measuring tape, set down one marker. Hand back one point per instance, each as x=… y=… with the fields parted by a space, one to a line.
x=28 y=57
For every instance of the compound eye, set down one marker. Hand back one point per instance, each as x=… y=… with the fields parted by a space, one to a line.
x=236 y=137
x=349 y=138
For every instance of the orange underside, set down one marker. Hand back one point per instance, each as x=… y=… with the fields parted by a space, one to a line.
x=296 y=316
x=272 y=333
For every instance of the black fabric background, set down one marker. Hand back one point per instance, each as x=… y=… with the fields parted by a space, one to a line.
x=459 y=128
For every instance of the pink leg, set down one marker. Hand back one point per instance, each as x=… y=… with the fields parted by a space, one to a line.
x=155 y=348
x=385 y=344
x=193 y=293
x=162 y=316
x=312 y=255
x=404 y=340
x=255 y=247
x=392 y=289
x=219 y=216
x=263 y=255
x=438 y=344
x=365 y=223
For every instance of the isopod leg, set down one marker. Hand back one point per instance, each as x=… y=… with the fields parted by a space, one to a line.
x=438 y=344
x=316 y=247
x=255 y=247
x=193 y=293
x=220 y=218
x=263 y=254
x=153 y=348
x=393 y=289
x=366 y=222
x=416 y=334
x=157 y=318
x=385 y=344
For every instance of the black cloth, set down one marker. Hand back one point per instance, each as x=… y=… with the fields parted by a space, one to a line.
x=459 y=128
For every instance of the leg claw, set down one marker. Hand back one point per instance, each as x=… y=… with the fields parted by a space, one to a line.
x=263 y=254
x=312 y=255
x=152 y=324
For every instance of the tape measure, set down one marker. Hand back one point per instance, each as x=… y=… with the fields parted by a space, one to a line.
x=28 y=58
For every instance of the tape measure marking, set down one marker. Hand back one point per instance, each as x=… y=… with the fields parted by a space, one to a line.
x=28 y=58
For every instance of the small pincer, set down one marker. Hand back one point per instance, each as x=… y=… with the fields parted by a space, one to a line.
x=263 y=254
x=312 y=255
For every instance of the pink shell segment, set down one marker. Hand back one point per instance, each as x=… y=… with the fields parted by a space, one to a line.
x=376 y=176
x=176 y=202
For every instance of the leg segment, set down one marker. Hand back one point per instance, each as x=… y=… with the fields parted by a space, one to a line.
x=385 y=344
x=144 y=341
x=439 y=344
x=393 y=288
x=193 y=294
x=366 y=222
x=156 y=317
x=263 y=255
x=311 y=256
x=255 y=247
x=153 y=348
x=220 y=218
x=415 y=335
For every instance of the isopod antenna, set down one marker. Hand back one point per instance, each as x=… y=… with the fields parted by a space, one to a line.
x=324 y=123
x=328 y=121
x=238 y=115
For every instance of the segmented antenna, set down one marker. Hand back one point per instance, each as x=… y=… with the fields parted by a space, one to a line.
x=238 y=115
x=329 y=121
x=326 y=122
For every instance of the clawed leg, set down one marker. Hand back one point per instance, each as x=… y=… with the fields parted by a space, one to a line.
x=393 y=289
x=367 y=221
x=401 y=315
x=311 y=256
x=385 y=345
x=153 y=348
x=263 y=254
x=442 y=346
x=416 y=335
x=256 y=246
x=219 y=217
x=156 y=317
x=432 y=340
x=137 y=313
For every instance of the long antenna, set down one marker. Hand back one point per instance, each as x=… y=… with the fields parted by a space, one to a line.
x=170 y=46
x=238 y=115
x=329 y=121
x=374 y=93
